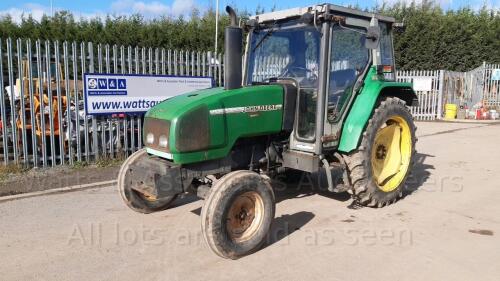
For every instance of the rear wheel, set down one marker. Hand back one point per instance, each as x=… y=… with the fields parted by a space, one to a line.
x=378 y=169
x=237 y=214
x=135 y=200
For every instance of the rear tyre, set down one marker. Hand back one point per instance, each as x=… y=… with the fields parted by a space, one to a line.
x=237 y=214
x=134 y=199
x=378 y=169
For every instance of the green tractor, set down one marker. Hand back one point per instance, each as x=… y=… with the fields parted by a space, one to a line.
x=315 y=92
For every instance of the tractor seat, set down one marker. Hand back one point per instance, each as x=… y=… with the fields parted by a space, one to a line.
x=339 y=81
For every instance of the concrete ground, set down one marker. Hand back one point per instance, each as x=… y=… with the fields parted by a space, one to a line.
x=447 y=229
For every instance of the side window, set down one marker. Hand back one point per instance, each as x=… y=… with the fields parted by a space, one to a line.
x=312 y=54
x=386 y=52
x=348 y=59
x=306 y=71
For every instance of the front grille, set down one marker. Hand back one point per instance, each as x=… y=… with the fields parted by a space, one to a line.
x=193 y=130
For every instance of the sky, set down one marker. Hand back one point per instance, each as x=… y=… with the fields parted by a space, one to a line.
x=155 y=8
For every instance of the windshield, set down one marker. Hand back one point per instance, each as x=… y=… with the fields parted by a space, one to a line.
x=288 y=50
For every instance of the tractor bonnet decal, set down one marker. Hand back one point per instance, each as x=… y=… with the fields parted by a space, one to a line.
x=246 y=109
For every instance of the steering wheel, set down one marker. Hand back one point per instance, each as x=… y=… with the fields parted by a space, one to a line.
x=294 y=74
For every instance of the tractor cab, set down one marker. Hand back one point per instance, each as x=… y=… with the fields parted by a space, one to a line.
x=325 y=52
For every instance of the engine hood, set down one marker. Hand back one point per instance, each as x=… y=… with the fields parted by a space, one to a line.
x=173 y=107
x=213 y=98
x=205 y=124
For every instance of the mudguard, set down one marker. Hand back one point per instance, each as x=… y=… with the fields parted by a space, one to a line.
x=363 y=107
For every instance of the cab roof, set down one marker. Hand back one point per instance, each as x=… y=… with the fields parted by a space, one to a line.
x=319 y=9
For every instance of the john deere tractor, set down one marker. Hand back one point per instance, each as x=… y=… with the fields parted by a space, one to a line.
x=315 y=92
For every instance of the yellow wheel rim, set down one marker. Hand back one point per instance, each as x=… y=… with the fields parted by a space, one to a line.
x=245 y=216
x=391 y=153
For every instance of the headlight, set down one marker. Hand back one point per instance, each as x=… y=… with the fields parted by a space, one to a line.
x=163 y=141
x=150 y=138
x=156 y=133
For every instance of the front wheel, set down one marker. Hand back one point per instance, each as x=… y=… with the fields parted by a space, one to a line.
x=237 y=214
x=378 y=169
x=135 y=200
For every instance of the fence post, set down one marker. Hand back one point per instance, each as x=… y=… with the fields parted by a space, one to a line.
x=484 y=88
x=3 y=112
x=440 y=95
x=48 y=57
x=22 y=109
x=12 y=80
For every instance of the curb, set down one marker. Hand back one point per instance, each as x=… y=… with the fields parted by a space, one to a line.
x=470 y=121
x=57 y=190
x=462 y=121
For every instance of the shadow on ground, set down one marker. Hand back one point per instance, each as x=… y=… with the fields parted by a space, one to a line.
x=285 y=225
x=303 y=185
x=184 y=199
x=419 y=174
x=310 y=184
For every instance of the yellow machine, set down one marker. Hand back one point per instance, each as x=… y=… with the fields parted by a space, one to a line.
x=43 y=99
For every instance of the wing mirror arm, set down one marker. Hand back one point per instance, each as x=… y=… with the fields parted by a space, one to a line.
x=372 y=37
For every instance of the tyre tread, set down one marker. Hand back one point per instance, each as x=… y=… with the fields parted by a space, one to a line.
x=357 y=161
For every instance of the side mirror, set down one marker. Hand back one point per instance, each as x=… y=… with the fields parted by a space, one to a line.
x=372 y=37
x=399 y=27
x=249 y=25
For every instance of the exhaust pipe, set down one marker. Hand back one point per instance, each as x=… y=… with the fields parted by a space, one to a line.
x=232 y=15
x=233 y=45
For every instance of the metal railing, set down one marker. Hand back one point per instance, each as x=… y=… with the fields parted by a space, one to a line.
x=473 y=89
x=464 y=88
x=429 y=97
x=43 y=121
x=491 y=86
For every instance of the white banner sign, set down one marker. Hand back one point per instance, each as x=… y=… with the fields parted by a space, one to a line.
x=115 y=93
x=422 y=83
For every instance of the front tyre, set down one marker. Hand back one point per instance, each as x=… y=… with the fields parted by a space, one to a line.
x=378 y=169
x=237 y=214
x=133 y=199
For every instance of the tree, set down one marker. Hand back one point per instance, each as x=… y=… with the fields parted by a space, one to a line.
x=434 y=39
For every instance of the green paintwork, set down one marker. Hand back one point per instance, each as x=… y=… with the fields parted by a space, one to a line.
x=362 y=109
x=225 y=128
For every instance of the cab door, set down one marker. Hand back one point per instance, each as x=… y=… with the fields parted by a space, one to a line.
x=309 y=89
x=349 y=60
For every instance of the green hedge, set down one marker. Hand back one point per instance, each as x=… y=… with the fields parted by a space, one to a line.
x=434 y=39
